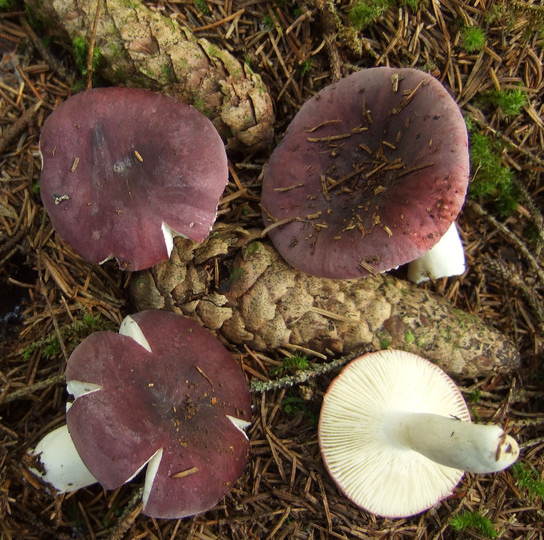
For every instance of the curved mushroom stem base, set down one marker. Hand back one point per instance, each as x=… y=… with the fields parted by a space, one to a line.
x=461 y=445
x=444 y=259
x=61 y=465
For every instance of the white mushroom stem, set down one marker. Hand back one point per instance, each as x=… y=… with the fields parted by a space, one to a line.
x=60 y=464
x=444 y=259
x=461 y=445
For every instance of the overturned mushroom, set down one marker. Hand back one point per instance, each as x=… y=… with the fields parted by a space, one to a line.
x=125 y=169
x=371 y=173
x=162 y=394
x=395 y=434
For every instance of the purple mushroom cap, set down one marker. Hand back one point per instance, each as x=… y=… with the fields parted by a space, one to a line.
x=370 y=174
x=179 y=405
x=121 y=165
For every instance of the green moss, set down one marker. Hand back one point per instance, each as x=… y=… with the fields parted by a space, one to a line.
x=475 y=416
x=267 y=24
x=385 y=342
x=409 y=337
x=294 y=405
x=305 y=67
x=80 y=52
x=473 y=520
x=491 y=179
x=529 y=480
x=290 y=365
x=511 y=102
x=365 y=12
x=203 y=7
x=473 y=38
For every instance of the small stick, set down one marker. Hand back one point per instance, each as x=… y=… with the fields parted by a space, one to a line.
x=22 y=393
x=90 y=52
x=53 y=63
x=302 y=376
x=220 y=22
x=131 y=512
x=19 y=126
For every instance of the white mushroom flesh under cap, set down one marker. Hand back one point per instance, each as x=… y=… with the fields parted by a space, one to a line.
x=367 y=442
x=444 y=259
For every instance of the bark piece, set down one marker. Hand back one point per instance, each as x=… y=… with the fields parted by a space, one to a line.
x=140 y=47
x=265 y=303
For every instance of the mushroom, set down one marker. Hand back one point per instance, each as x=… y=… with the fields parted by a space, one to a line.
x=395 y=434
x=126 y=169
x=370 y=174
x=163 y=394
x=444 y=259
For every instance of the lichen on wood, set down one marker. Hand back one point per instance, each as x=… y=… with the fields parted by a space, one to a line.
x=143 y=48
x=258 y=300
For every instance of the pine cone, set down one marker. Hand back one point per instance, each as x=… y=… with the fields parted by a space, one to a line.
x=237 y=284
x=140 y=47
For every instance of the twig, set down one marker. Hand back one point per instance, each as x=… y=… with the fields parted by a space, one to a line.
x=536 y=215
x=43 y=290
x=329 y=21
x=19 y=126
x=220 y=22
x=28 y=390
x=7 y=245
x=127 y=518
x=90 y=52
x=53 y=63
x=302 y=376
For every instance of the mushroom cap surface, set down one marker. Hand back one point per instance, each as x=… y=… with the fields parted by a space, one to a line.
x=370 y=174
x=177 y=403
x=120 y=165
x=381 y=477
